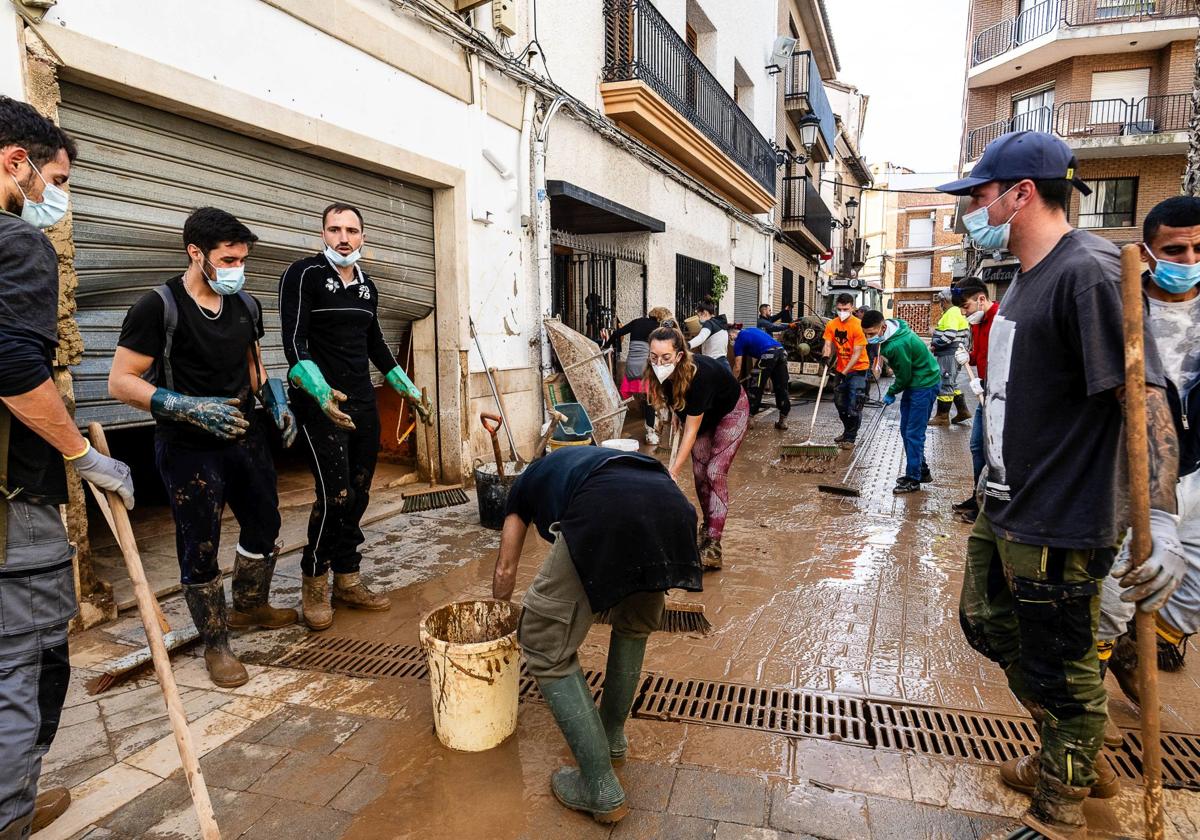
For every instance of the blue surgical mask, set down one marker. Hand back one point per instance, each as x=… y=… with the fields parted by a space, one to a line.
x=1175 y=278
x=984 y=234
x=50 y=210
x=875 y=339
x=342 y=260
x=229 y=280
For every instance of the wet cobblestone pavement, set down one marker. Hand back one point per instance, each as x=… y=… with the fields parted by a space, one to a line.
x=850 y=597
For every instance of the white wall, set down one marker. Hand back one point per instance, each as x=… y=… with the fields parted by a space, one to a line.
x=12 y=79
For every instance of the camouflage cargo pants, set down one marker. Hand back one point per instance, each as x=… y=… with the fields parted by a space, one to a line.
x=1034 y=610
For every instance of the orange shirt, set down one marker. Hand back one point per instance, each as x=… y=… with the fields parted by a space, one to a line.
x=846 y=335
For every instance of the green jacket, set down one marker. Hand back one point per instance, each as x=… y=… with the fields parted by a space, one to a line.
x=911 y=360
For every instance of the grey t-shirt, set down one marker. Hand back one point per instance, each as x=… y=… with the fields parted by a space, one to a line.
x=1176 y=330
x=1053 y=425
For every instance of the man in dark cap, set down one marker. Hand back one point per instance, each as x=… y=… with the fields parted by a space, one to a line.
x=1052 y=426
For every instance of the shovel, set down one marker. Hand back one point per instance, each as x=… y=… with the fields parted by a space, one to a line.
x=492 y=423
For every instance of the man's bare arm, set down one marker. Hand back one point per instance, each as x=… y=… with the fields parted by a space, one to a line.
x=1164 y=450
x=512 y=540
x=42 y=410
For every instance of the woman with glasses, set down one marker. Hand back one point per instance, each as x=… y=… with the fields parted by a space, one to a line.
x=714 y=413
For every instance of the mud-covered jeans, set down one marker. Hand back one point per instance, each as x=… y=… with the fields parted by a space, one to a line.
x=556 y=615
x=37 y=599
x=200 y=482
x=1033 y=610
x=343 y=466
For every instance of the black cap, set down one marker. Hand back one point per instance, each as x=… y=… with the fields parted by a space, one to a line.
x=1019 y=155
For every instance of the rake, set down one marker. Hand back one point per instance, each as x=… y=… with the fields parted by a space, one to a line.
x=813 y=457
x=680 y=617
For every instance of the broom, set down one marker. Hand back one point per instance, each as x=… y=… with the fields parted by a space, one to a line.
x=435 y=496
x=814 y=457
x=845 y=489
x=679 y=617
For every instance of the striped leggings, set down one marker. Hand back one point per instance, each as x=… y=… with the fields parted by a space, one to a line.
x=712 y=454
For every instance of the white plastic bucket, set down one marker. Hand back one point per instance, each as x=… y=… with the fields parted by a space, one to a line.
x=474 y=663
x=623 y=444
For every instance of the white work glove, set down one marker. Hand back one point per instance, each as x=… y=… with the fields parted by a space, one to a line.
x=1152 y=583
x=976 y=385
x=962 y=356
x=106 y=473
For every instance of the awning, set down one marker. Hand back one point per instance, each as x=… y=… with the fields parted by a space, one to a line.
x=576 y=210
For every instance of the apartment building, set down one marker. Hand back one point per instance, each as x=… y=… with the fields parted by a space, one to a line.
x=924 y=251
x=1113 y=78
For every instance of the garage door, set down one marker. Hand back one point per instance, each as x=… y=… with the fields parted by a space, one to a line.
x=141 y=171
x=745 y=297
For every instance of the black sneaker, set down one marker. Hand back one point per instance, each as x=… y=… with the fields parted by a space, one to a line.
x=906 y=485
x=965 y=505
x=926 y=476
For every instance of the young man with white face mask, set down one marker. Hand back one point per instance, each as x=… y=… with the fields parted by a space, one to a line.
x=1053 y=423
x=1171 y=247
x=196 y=339
x=37 y=589
x=846 y=351
x=979 y=311
x=331 y=337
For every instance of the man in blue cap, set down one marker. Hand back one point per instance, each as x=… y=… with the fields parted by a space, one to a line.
x=1053 y=416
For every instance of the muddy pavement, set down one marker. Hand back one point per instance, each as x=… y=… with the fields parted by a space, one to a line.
x=832 y=616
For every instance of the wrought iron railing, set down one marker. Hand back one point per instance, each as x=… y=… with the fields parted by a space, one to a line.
x=639 y=43
x=1046 y=16
x=1159 y=114
x=803 y=87
x=802 y=204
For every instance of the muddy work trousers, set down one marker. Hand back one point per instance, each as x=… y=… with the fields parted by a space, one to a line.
x=1033 y=610
x=200 y=482
x=848 y=399
x=556 y=615
x=712 y=454
x=948 y=389
x=37 y=599
x=772 y=367
x=343 y=466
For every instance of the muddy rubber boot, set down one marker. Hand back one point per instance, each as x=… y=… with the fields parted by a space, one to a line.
x=49 y=806
x=1113 y=738
x=651 y=436
x=621 y=678
x=1124 y=665
x=1057 y=810
x=318 y=613
x=350 y=591
x=1022 y=774
x=251 y=587
x=710 y=556
x=592 y=787
x=942 y=418
x=961 y=413
x=206 y=602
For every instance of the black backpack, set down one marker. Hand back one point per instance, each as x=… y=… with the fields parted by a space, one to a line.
x=160 y=372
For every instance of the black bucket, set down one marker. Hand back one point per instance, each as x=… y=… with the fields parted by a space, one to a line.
x=492 y=491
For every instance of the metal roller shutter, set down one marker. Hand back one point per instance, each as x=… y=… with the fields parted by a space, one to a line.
x=745 y=297
x=141 y=171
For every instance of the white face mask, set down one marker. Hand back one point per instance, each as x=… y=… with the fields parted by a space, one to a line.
x=342 y=260
x=663 y=372
x=843 y=316
x=975 y=317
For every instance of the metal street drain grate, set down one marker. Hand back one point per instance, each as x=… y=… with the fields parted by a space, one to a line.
x=356 y=658
x=787 y=711
x=951 y=733
x=1180 y=758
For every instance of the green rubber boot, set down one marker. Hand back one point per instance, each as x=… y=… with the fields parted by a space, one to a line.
x=621 y=678
x=592 y=787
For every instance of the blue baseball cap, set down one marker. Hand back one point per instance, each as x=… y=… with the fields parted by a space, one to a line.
x=1019 y=155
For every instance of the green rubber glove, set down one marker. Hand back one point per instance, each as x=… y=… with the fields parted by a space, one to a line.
x=306 y=376
x=398 y=379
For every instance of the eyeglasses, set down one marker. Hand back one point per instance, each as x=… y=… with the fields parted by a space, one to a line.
x=669 y=359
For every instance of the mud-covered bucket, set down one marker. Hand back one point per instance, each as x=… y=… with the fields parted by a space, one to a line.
x=492 y=492
x=474 y=663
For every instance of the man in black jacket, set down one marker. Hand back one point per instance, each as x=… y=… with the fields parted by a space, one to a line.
x=622 y=534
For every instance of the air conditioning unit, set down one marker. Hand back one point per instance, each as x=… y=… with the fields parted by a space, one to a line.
x=1138 y=127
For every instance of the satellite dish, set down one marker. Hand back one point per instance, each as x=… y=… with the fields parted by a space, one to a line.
x=781 y=52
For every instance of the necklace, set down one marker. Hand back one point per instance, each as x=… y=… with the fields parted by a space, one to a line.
x=203 y=311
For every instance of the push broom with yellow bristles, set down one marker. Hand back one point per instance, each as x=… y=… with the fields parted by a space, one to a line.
x=810 y=456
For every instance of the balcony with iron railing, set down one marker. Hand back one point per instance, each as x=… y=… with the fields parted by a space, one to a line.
x=1058 y=29
x=804 y=211
x=1099 y=126
x=656 y=87
x=804 y=93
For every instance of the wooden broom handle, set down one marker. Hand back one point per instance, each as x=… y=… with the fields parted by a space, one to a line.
x=148 y=608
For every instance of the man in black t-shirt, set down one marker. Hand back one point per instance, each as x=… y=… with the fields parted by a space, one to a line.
x=37 y=587
x=1053 y=416
x=188 y=353
x=328 y=307
x=621 y=532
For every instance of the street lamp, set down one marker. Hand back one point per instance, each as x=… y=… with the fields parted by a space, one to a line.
x=851 y=214
x=810 y=124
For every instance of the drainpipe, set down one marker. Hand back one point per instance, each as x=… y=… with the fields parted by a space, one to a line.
x=541 y=226
x=523 y=173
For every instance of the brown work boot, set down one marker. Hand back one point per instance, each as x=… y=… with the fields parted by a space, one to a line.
x=942 y=417
x=710 y=557
x=206 y=602
x=1022 y=774
x=251 y=586
x=1057 y=810
x=961 y=413
x=1124 y=665
x=318 y=614
x=350 y=591
x=50 y=805
x=1113 y=737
